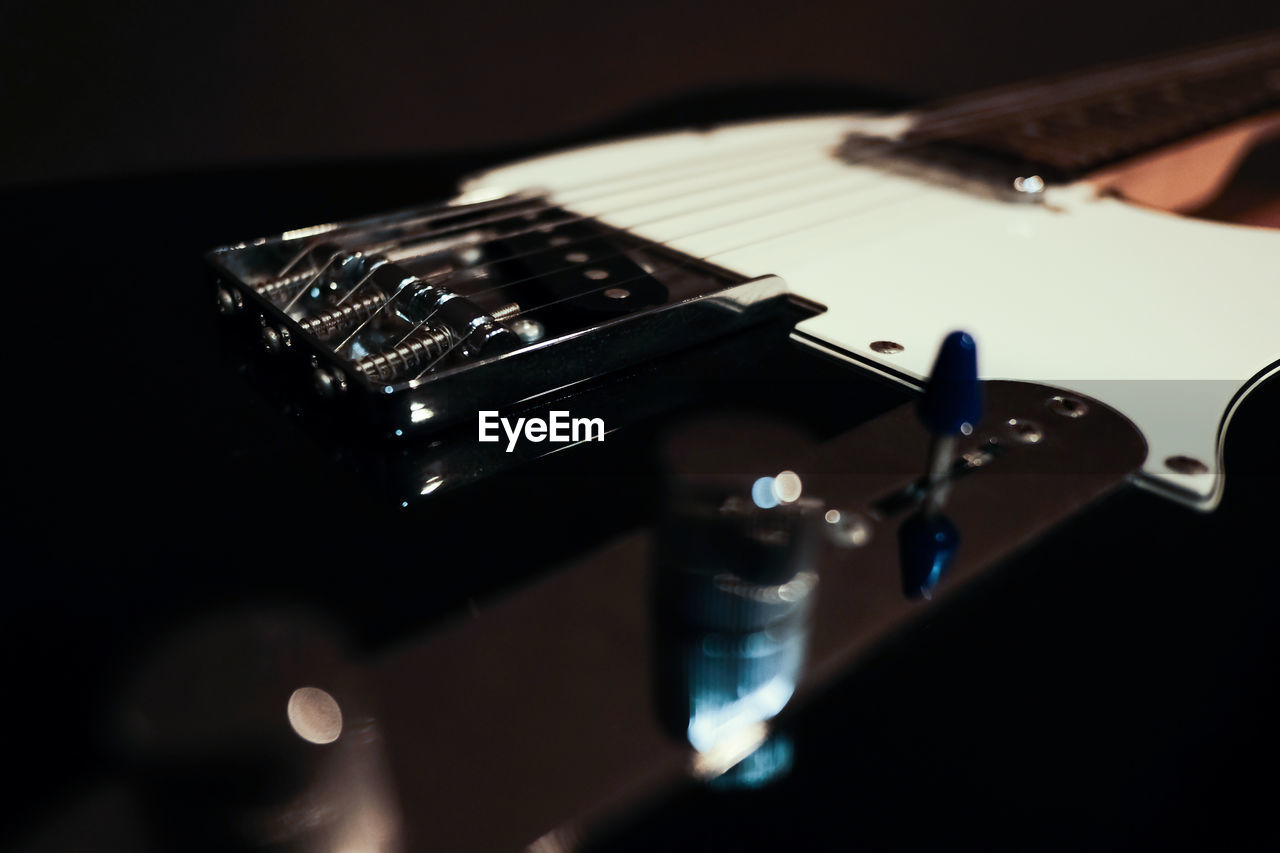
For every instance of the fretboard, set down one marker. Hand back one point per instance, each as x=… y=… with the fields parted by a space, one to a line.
x=1069 y=126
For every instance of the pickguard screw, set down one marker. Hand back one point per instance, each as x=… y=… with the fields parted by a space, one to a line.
x=846 y=529
x=1186 y=465
x=1027 y=432
x=1068 y=407
x=886 y=347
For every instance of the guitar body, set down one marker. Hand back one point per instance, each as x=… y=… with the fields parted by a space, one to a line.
x=190 y=520
x=1168 y=318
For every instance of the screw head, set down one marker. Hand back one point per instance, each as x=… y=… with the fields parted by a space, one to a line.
x=1068 y=407
x=886 y=347
x=1024 y=431
x=271 y=340
x=1186 y=465
x=1029 y=184
x=228 y=302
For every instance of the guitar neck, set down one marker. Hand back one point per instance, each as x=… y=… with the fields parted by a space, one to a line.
x=1072 y=125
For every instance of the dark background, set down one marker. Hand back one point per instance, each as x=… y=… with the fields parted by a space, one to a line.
x=127 y=87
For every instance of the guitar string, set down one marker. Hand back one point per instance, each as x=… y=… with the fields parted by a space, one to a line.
x=549 y=227
x=843 y=190
x=804 y=149
x=890 y=149
x=754 y=152
x=684 y=263
x=542 y=227
x=521 y=200
x=675 y=265
x=437 y=212
x=437 y=234
x=977 y=113
x=998 y=104
x=1250 y=52
x=825 y=164
x=429 y=237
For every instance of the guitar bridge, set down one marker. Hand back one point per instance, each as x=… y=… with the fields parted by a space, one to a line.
x=421 y=318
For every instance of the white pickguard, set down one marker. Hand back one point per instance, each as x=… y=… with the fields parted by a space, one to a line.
x=1170 y=320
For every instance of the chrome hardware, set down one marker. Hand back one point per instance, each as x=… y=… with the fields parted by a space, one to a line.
x=326 y=325
x=423 y=346
x=404 y=307
x=506 y=312
x=284 y=285
x=418 y=350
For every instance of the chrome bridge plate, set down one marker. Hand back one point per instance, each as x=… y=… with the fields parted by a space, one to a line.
x=418 y=319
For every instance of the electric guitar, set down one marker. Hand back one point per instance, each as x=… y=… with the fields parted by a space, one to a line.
x=581 y=510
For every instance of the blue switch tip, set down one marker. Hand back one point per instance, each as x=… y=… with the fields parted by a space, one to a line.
x=953 y=398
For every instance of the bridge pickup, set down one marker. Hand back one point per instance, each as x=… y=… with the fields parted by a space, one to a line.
x=421 y=318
